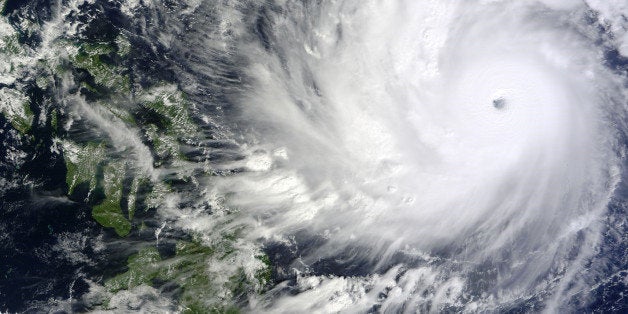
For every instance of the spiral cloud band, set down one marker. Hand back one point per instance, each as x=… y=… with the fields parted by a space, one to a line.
x=428 y=155
x=314 y=156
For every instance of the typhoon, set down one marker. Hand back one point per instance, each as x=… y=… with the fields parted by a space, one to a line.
x=376 y=156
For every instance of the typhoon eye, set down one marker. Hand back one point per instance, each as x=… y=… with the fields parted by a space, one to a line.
x=499 y=103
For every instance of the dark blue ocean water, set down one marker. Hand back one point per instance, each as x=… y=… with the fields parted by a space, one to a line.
x=35 y=212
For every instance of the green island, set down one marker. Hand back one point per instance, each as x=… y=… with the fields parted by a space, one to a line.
x=119 y=195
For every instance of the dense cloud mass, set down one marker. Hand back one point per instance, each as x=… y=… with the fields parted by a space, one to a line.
x=464 y=153
x=335 y=156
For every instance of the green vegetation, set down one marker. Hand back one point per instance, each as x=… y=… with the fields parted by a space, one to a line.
x=189 y=271
x=119 y=113
x=143 y=267
x=109 y=213
x=164 y=146
x=155 y=198
x=123 y=44
x=192 y=274
x=169 y=121
x=132 y=197
x=202 y=289
x=44 y=77
x=16 y=108
x=82 y=163
x=10 y=45
x=263 y=275
x=110 y=76
x=209 y=275
x=23 y=123
x=54 y=119
x=172 y=109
